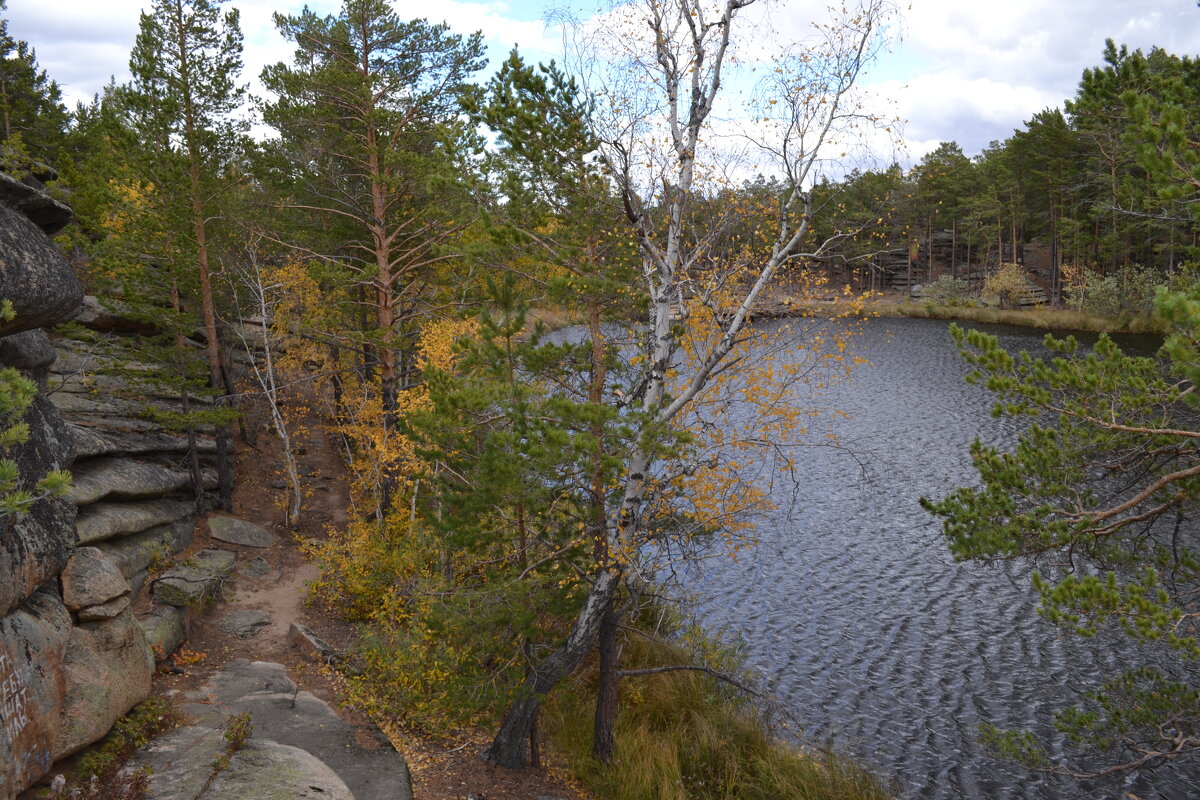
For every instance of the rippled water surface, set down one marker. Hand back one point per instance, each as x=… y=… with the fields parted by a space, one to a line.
x=857 y=617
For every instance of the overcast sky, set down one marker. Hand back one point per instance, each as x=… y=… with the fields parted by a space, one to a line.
x=965 y=70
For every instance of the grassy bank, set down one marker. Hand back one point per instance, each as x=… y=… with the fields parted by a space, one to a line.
x=1050 y=319
x=686 y=736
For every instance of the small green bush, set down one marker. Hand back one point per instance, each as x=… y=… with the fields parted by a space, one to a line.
x=1129 y=291
x=1007 y=283
x=947 y=291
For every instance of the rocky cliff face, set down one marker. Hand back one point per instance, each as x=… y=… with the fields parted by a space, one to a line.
x=35 y=625
x=73 y=656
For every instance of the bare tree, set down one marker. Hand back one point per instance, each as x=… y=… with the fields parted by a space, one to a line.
x=262 y=356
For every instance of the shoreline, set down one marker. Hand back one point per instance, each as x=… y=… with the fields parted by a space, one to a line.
x=893 y=304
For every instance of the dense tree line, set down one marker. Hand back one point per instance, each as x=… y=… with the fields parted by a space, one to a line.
x=1107 y=185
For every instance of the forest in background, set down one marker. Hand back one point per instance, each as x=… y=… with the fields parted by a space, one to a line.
x=388 y=247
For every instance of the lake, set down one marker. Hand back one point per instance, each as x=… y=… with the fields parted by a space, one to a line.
x=864 y=627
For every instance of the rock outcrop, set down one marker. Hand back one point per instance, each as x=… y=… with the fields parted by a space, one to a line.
x=282 y=712
x=36 y=628
x=73 y=657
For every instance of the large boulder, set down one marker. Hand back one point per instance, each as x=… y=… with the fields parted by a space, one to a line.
x=34 y=276
x=107 y=669
x=91 y=579
x=33 y=640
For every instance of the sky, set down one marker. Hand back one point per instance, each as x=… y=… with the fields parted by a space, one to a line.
x=969 y=71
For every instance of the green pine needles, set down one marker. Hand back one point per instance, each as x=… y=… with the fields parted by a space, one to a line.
x=1101 y=492
x=16 y=396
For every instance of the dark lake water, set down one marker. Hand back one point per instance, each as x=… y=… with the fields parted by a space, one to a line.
x=858 y=619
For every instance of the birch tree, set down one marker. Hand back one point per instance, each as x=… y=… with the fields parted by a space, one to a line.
x=658 y=72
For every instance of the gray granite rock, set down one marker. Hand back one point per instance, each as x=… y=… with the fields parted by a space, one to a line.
x=183 y=766
x=165 y=630
x=105 y=520
x=30 y=352
x=306 y=641
x=134 y=553
x=34 y=549
x=103 y=611
x=90 y=579
x=282 y=712
x=36 y=278
x=123 y=479
x=33 y=640
x=117 y=437
x=245 y=624
x=238 y=531
x=256 y=567
x=107 y=668
x=48 y=214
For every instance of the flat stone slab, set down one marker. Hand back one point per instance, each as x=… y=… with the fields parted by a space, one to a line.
x=106 y=520
x=244 y=624
x=196 y=580
x=122 y=479
x=121 y=437
x=183 y=767
x=238 y=531
x=282 y=712
x=256 y=567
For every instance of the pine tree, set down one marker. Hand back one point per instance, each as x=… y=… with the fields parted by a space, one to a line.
x=32 y=117
x=367 y=117
x=1102 y=492
x=185 y=66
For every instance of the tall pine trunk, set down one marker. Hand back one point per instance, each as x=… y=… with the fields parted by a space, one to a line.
x=604 y=727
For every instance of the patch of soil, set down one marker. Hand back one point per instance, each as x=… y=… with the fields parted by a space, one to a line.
x=440 y=771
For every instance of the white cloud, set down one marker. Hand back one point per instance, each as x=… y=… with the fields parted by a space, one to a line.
x=974 y=70
x=82 y=43
x=978 y=70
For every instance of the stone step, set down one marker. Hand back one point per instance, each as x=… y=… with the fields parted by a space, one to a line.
x=282 y=712
x=198 y=579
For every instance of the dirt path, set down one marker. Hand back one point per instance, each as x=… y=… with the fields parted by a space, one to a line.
x=440 y=772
